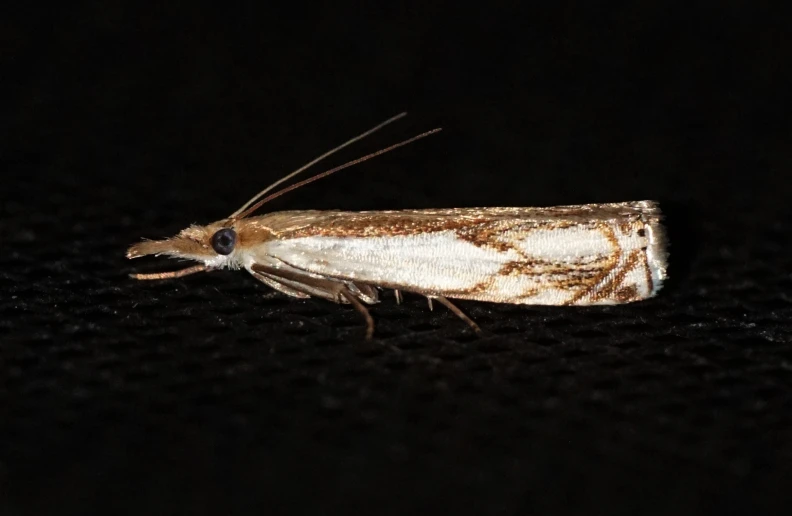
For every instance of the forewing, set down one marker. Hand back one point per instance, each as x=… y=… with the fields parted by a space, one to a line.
x=591 y=254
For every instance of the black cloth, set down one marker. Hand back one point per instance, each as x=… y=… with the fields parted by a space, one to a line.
x=213 y=395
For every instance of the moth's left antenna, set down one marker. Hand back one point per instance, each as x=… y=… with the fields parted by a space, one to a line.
x=314 y=162
x=333 y=171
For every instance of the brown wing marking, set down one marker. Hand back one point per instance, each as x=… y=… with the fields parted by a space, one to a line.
x=614 y=260
x=479 y=227
x=478 y=288
x=295 y=224
x=487 y=233
x=610 y=288
x=626 y=294
x=374 y=224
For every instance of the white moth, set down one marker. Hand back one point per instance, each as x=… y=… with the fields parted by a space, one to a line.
x=592 y=254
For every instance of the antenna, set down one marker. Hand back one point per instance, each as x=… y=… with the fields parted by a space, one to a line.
x=304 y=182
x=236 y=214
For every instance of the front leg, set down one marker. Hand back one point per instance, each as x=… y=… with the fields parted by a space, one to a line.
x=332 y=290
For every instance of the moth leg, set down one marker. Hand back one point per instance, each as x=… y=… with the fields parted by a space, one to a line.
x=363 y=292
x=343 y=291
x=431 y=306
x=459 y=313
x=172 y=274
x=281 y=286
x=398 y=295
x=320 y=287
x=306 y=284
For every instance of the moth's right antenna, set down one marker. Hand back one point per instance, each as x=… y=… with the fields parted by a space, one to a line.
x=245 y=206
x=331 y=171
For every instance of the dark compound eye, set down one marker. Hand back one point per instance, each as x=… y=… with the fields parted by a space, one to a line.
x=223 y=241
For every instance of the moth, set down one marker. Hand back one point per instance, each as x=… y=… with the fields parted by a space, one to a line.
x=591 y=254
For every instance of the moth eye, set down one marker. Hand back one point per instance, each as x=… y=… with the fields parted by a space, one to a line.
x=223 y=241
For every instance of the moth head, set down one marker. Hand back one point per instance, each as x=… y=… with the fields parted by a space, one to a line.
x=216 y=245
x=230 y=242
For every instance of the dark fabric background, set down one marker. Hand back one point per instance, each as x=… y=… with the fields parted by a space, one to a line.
x=212 y=395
